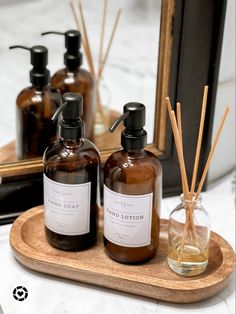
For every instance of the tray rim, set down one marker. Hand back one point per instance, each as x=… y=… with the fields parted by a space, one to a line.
x=23 y=253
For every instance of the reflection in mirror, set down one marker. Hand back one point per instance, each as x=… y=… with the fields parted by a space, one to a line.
x=129 y=75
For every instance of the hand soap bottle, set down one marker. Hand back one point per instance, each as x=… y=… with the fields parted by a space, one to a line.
x=132 y=193
x=75 y=79
x=35 y=106
x=71 y=167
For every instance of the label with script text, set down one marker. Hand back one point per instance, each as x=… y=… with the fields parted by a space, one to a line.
x=127 y=218
x=67 y=207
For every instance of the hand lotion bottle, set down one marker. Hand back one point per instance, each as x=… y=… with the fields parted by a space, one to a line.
x=73 y=78
x=35 y=106
x=71 y=168
x=132 y=193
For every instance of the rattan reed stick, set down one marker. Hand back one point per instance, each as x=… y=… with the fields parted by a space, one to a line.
x=180 y=155
x=189 y=216
x=90 y=60
x=101 y=46
x=75 y=15
x=199 y=142
x=86 y=38
x=179 y=148
x=85 y=41
x=104 y=61
x=179 y=121
x=203 y=177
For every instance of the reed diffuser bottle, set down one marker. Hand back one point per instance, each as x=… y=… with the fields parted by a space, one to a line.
x=189 y=223
x=189 y=234
x=73 y=78
x=71 y=167
x=35 y=106
x=132 y=193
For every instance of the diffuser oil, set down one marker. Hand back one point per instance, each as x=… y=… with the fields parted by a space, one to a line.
x=189 y=260
x=188 y=238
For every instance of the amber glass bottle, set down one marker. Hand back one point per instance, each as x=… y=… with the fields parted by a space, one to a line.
x=74 y=79
x=132 y=193
x=35 y=106
x=71 y=168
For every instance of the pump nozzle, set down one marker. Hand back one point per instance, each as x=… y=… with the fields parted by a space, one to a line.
x=39 y=75
x=118 y=121
x=72 y=126
x=52 y=32
x=133 y=136
x=72 y=57
x=19 y=46
x=58 y=111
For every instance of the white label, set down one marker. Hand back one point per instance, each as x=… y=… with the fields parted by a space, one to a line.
x=67 y=207
x=127 y=218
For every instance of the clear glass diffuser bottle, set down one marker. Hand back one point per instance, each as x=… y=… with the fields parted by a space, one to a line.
x=188 y=238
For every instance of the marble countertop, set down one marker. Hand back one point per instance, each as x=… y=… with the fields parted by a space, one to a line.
x=48 y=294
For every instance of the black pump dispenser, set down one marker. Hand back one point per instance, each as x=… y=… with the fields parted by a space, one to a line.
x=133 y=137
x=73 y=56
x=72 y=126
x=39 y=75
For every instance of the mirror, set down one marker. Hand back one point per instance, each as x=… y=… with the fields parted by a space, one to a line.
x=130 y=73
x=183 y=69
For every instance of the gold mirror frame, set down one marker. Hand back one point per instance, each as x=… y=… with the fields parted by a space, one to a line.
x=163 y=73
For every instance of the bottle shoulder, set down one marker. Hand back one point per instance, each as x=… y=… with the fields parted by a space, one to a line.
x=25 y=93
x=85 y=74
x=32 y=96
x=58 y=151
x=125 y=160
x=120 y=166
x=66 y=77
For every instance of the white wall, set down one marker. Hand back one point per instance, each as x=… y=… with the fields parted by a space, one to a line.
x=224 y=157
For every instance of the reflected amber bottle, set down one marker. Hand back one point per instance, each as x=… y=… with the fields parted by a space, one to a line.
x=132 y=193
x=74 y=79
x=78 y=81
x=35 y=107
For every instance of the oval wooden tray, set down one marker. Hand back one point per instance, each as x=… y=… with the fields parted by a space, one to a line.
x=153 y=279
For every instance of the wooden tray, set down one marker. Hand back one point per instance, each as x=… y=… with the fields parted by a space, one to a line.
x=153 y=279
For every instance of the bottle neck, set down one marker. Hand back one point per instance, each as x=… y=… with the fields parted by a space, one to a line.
x=134 y=152
x=39 y=77
x=73 y=61
x=40 y=88
x=71 y=143
x=72 y=71
x=72 y=131
x=191 y=203
x=133 y=139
